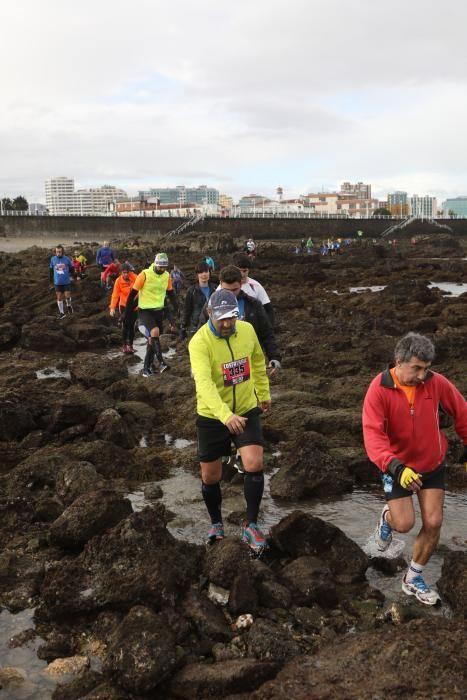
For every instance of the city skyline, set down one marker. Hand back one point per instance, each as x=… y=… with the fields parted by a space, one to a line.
x=243 y=98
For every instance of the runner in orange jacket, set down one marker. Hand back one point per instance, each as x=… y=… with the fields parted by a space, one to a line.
x=121 y=290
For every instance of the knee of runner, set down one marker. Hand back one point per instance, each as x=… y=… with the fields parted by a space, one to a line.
x=404 y=523
x=433 y=522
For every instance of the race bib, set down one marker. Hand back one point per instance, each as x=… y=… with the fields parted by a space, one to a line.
x=236 y=372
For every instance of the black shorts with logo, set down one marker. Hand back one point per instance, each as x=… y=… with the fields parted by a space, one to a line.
x=150 y=318
x=62 y=287
x=431 y=480
x=214 y=438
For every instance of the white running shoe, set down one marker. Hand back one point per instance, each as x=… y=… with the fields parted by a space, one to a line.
x=383 y=531
x=420 y=590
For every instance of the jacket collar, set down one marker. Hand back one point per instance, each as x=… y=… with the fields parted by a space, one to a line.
x=388 y=382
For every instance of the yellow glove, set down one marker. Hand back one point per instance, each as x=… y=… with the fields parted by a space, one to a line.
x=408 y=477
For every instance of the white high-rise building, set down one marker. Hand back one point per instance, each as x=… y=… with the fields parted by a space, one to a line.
x=423 y=207
x=62 y=199
x=59 y=195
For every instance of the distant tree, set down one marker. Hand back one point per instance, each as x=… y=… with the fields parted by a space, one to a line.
x=381 y=211
x=20 y=203
x=452 y=214
x=7 y=204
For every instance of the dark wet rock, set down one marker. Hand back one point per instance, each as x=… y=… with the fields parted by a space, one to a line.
x=48 y=507
x=310 y=472
x=84 y=683
x=360 y=666
x=57 y=645
x=311 y=618
x=453 y=582
x=12 y=454
x=200 y=680
x=16 y=512
x=225 y=560
x=91 y=336
x=16 y=420
x=97 y=371
x=89 y=515
x=301 y=534
x=34 y=440
x=48 y=337
x=272 y=594
x=268 y=640
x=142 y=652
x=9 y=334
x=310 y=581
x=107 y=691
x=76 y=408
x=137 y=562
x=152 y=492
x=111 y=427
x=388 y=565
x=139 y=416
x=72 y=433
x=243 y=596
x=76 y=478
x=109 y=460
x=207 y=618
x=18 y=640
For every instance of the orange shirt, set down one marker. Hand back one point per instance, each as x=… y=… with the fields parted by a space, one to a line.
x=409 y=391
x=121 y=290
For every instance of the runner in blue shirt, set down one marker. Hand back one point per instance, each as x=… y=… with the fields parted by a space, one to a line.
x=61 y=274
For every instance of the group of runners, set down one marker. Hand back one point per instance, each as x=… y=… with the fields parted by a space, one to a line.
x=233 y=353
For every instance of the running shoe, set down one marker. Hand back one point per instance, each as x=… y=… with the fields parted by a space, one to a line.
x=254 y=538
x=147 y=372
x=60 y=316
x=131 y=349
x=125 y=350
x=163 y=367
x=383 y=531
x=420 y=590
x=215 y=533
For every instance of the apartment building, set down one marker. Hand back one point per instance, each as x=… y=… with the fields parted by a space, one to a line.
x=357 y=190
x=62 y=199
x=181 y=195
x=398 y=203
x=423 y=207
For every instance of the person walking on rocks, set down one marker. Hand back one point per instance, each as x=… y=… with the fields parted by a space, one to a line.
x=232 y=390
x=104 y=256
x=61 y=275
x=403 y=438
x=152 y=286
x=252 y=287
x=196 y=297
x=120 y=293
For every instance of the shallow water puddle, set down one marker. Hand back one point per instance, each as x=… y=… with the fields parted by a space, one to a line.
x=53 y=373
x=452 y=289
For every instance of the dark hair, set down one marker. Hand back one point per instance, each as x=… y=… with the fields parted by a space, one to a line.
x=59 y=246
x=241 y=260
x=126 y=267
x=202 y=266
x=414 y=345
x=230 y=274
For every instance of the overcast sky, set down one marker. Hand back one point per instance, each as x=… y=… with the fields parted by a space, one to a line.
x=243 y=96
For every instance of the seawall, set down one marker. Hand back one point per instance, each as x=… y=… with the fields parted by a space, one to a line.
x=96 y=228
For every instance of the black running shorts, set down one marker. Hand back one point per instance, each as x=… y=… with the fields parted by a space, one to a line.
x=214 y=438
x=150 y=318
x=62 y=288
x=431 y=480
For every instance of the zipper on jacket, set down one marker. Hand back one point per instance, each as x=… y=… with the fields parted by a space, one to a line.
x=234 y=385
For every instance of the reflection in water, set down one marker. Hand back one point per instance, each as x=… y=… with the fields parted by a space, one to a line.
x=53 y=373
x=355 y=514
x=451 y=288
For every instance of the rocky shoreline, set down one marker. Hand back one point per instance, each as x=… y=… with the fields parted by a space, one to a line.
x=123 y=609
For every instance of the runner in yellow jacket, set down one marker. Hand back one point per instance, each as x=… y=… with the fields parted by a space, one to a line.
x=232 y=390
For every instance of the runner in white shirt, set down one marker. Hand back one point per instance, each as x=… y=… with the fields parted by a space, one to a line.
x=252 y=287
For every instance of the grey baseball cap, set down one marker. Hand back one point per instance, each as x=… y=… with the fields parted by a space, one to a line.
x=223 y=304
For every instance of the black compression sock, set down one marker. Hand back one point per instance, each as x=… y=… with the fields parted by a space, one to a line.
x=158 y=350
x=253 y=487
x=213 y=499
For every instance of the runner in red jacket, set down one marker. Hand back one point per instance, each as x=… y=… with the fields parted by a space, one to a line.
x=403 y=438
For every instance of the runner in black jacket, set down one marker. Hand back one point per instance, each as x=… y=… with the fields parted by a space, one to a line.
x=251 y=310
x=196 y=297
